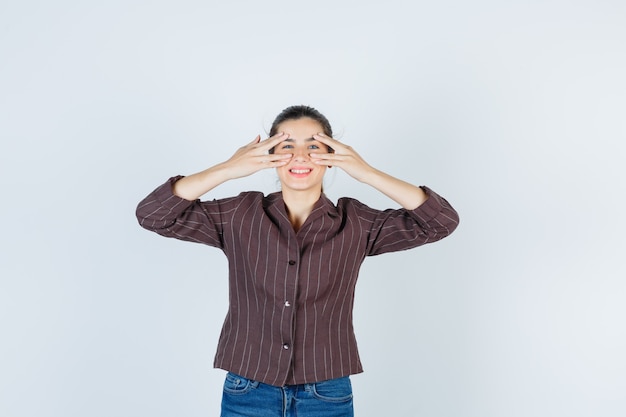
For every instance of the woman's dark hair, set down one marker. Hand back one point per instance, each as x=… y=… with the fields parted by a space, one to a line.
x=299 y=112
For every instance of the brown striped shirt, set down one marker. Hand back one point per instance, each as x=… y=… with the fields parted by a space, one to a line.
x=291 y=294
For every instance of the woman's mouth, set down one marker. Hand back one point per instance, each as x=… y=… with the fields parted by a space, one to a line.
x=300 y=171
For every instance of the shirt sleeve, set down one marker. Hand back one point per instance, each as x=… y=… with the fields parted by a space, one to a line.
x=165 y=213
x=401 y=229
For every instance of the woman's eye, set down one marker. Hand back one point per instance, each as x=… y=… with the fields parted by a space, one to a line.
x=287 y=147
x=314 y=147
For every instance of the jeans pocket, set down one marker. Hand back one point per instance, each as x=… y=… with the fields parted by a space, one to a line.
x=334 y=390
x=238 y=385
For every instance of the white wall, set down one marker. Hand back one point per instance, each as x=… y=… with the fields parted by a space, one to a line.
x=514 y=111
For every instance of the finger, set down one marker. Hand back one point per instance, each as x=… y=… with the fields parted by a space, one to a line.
x=323 y=138
x=277 y=137
x=274 y=164
x=281 y=156
x=327 y=162
x=325 y=158
x=274 y=158
x=327 y=140
x=256 y=140
x=271 y=142
x=327 y=155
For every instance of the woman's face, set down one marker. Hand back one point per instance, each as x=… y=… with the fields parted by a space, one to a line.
x=300 y=173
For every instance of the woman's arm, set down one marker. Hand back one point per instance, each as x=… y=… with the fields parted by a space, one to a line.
x=247 y=160
x=407 y=195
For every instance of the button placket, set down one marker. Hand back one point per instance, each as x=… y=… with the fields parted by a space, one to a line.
x=288 y=336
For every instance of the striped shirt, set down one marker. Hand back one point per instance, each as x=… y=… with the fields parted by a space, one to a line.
x=291 y=294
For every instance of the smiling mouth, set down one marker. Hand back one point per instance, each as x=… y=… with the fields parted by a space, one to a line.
x=300 y=171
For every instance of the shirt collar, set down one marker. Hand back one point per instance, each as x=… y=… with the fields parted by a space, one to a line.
x=322 y=206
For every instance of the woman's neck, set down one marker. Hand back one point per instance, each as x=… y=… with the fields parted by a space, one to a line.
x=299 y=205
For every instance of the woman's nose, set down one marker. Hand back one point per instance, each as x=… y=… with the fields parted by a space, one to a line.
x=301 y=154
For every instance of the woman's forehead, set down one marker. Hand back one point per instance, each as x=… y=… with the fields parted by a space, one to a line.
x=303 y=128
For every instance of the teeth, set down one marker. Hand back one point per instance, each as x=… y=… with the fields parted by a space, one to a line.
x=300 y=171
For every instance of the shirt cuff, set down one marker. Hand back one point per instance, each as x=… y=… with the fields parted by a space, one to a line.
x=166 y=197
x=430 y=208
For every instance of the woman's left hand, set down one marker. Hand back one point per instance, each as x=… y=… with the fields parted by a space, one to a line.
x=407 y=195
x=343 y=157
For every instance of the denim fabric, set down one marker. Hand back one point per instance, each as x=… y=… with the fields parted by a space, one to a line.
x=246 y=398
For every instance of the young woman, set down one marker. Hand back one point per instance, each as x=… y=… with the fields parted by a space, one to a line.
x=287 y=341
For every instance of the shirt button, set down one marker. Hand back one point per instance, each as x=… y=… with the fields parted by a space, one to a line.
x=285 y=346
x=287 y=304
x=292 y=262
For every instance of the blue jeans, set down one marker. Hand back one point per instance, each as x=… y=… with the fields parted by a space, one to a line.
x=246 y=398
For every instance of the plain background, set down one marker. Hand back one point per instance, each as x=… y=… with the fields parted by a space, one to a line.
x=514 y=111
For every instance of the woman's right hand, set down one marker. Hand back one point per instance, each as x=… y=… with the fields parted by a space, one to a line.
x=256 y=156
x=247 y=160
